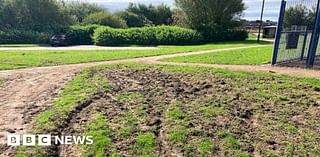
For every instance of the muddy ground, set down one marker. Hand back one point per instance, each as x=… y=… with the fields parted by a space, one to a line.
x=200 y=115
x=289 y=111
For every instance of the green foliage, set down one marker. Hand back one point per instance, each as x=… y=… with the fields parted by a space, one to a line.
x=180 y=18
x=158 y=15
x=23 y=37
x=215 y=19
x=215 y=34
x=210 y=13
x=176 y=35
x=36 y=15
x=34 y=21
x=79 y=10
x=80 y=35
x=299 y=15
x=134 y=20
x=166 y=35
x=106 y=36
x=105 y=19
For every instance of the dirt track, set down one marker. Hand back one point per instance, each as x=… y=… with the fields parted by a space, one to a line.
x=24 y=93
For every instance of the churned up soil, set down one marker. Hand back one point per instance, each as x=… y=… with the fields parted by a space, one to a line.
x=154 y=112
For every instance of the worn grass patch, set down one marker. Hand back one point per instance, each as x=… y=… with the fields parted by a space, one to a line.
x=145 y=145
x=152 y=110
x=98 y=128
x=77 y=91
x=250 y=56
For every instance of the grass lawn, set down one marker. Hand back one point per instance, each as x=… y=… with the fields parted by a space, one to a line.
x=252 y=56
x=24 y=59
x=146 y=110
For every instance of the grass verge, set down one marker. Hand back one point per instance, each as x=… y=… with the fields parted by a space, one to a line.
x=250 y=56
x=19 y=45
x=37 y=58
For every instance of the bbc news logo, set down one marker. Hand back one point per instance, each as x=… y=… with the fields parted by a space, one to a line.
x=47 y=140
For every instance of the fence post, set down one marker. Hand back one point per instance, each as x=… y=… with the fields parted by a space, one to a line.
x=304 y=45
x=278 y=33
x=314 y=40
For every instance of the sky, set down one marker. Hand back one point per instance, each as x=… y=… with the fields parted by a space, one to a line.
x=251 y=13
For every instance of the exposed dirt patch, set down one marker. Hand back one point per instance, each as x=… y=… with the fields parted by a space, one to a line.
x=22 y=96
x=24 y=93
x=195 y=116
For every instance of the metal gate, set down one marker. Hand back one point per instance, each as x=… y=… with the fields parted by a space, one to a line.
x=297 y=36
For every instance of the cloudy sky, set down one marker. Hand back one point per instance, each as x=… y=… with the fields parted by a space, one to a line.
x=252 y=12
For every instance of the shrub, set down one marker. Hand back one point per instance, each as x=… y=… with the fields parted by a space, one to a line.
x=105 y=19
x=176 y=35
x=134 y=20
x=24 y=37
x=160 y=35
x=80 y=35
x=237 y=35
x=216 y=34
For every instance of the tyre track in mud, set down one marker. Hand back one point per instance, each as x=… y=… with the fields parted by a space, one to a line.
x=157 y=88
x=26 y=92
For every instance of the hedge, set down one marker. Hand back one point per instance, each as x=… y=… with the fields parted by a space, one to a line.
x=80 y=35
x=24 y=37
x=160 y=35
x=106 y=36
x=217 y=35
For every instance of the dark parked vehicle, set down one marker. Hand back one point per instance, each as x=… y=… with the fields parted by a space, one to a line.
x=58 y=40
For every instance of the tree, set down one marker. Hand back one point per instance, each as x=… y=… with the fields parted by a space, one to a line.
x=300 y=15
x=3 y=6
x=106 y=19
x=211 y=13
x=37 y=15
x=134 y=20
x=80 y=10
x=158 y=15
x=163 y=15
x=180 y=18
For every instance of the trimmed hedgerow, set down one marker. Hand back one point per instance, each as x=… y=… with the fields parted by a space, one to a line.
x=23 y=37
x=218 y=34
x=160 y=35
x=177 y=35
x=80 y=35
